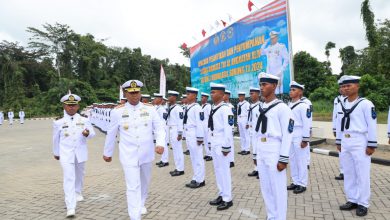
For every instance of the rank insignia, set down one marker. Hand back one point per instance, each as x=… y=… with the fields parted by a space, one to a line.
x=231 y=120
x=291 y=126
x=308 y=113
x=201 y=115
x=373 y=113
x=181 y=115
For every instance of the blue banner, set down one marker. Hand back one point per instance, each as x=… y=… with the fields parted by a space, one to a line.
x=234 y=56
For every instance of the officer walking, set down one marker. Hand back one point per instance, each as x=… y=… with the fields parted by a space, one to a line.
x=221 y=120
x=136 y=122
x=174 y=122
x=206 y=107
x=70 y=148
x=301 y=138
x=242 y=121
x=21 y=116
x=193 y=126
x=253 y=114
x=274 y=129
x=11 y=117
x=357 y=138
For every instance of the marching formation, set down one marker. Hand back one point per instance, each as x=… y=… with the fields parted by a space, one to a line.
x=11 y=116
x=273 y=134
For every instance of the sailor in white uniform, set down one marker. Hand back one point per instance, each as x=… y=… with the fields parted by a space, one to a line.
x=70 y=135
x=253 y=114
x=206 y=108
x=242 y=121
x=226 y=99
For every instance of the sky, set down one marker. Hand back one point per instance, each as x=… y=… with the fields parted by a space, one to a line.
x=159 y=27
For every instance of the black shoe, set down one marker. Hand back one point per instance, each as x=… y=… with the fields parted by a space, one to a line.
x=246 y=152
x=339 y=177
x=208 y=158
x=204 y=158
x=253 y=173
x=163 y=164
x=299 y=189
x=231 y=164
x=308 y=167
x=225 y=205
x=292 y=186
x=158 y=163
x=187 y=152
x=216 y=201
x=177 y=173
x=170 y=172
x=194 y=184
x=240 y=152
x=361 y=210
x=348 y=206
x=257 y=177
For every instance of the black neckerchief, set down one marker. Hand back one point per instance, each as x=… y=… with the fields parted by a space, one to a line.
x=345 y=121
x=263 y=119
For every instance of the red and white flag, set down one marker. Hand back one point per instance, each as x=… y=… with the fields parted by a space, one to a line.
x=223 y=23
x=163 y=81
x=204 y=33
x=250 y=5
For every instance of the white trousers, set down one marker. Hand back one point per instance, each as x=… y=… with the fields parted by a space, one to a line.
x=356 y=166
x=244 y=135
x=11 y=121
x=272 y=182
x=137 y=187
x=298 y=162
x=222 y=174
x=21 y=120
x=177 y=148
x=206 y=143
x=231 y=154
x=308 y=155
x=73 y=181
x=196 y=155
x=253 y=139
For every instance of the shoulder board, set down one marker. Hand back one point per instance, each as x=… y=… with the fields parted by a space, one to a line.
x=120 y=106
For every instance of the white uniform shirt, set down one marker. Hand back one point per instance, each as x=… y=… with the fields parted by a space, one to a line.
x=336 y=102
x=175 y=118
x=195 y=118
x=280 y=125
x=301 y=115
x=277 y=59
x=362 y=120
x=21 y=114
x=68 y=141
x=136 y=126
x=244 y=111
x=1 y=116
x=206 y=108
x=253 y=114
x=221 y=136
x=161 y=111
x=10 y=114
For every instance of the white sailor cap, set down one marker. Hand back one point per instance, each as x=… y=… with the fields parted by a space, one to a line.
x=294 y=84
x=267 y=78
x=350 y=79
x=132 y=85
x=192 y=90
x=216 y=86
x=70 y=99
x=145 y=96
x=174 y=93
x=157 y=95
x=228 y=92
x=254 y=89
x=273 y=34
x=205 y=94
x=241 y=93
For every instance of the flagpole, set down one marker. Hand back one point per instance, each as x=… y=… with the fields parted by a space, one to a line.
x=290 y=40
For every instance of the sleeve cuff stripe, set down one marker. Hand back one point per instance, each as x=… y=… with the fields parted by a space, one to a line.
x=281 y=156
x=372 y=142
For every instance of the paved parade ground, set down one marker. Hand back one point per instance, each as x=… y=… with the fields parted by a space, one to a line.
x=31 y=185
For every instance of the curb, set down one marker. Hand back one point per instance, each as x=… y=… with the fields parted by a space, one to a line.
x=375 y=160
x=33 y=119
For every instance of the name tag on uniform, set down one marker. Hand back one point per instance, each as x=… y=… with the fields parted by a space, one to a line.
x=263 y=139
x=65 y=126
x=80 y=124
x=144 y=114
x=347 y=135
x=125 y=116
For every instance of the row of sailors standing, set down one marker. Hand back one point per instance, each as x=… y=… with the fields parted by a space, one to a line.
x=11 y=116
